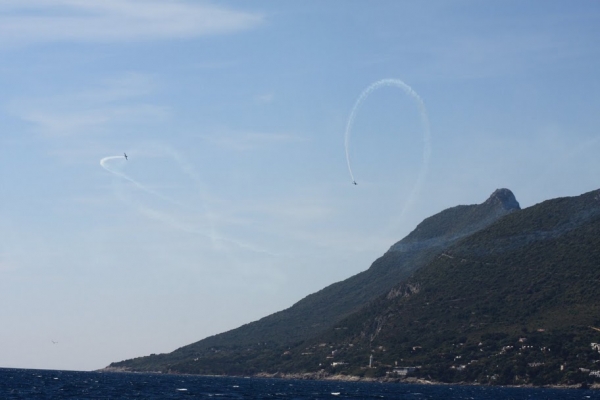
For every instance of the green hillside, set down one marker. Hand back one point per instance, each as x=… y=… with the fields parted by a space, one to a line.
x=516 y=303
x=320 y=311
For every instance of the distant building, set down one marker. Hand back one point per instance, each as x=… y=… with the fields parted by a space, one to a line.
x=535 y=364
x=403 y=371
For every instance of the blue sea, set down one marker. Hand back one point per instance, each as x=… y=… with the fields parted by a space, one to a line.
x=45 y=384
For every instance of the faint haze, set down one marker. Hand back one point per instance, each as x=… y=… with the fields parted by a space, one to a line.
x=236 y=199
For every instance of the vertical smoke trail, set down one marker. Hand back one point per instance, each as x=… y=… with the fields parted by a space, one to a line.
x=424 y=121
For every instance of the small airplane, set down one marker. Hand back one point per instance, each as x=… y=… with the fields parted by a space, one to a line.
x=125 y=154
x=354 y=182
x=53 y=342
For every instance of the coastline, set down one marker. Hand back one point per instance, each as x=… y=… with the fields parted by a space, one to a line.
x=409 y=380
x=323 y=376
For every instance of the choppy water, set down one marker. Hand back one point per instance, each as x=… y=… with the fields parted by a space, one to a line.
x=43 y=384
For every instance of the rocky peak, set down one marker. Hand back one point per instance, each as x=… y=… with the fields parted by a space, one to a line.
x=455 y=223
x=504 y=198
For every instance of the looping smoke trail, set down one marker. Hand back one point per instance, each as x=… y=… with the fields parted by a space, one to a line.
x=424 y=121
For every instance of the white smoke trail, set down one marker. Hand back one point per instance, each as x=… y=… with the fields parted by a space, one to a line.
x=212 y=235
x=103 y=163
x=215 y=238
x=424 y=121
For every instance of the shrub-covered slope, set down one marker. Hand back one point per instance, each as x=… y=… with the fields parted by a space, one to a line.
x=320 y=311
x=515 y=303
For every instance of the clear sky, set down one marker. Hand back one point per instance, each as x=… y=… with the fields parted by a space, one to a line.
x=236 y=200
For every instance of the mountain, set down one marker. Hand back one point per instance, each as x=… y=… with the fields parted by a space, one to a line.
x=322 y=310
x=486 y=294
x=517 y=302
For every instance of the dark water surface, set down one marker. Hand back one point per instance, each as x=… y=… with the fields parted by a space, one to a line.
x=44 y=384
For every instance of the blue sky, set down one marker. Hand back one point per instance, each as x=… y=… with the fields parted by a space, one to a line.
x=236 y=200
